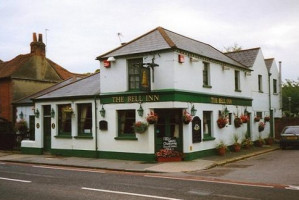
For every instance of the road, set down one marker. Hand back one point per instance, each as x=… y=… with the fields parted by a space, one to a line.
x=277 y=167
x=26 y=181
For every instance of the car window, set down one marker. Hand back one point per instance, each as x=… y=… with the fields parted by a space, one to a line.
x=291 y=130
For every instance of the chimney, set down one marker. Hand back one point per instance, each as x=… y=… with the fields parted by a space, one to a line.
x=37 y=46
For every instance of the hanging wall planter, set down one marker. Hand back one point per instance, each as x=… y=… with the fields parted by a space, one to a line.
x=237 y=122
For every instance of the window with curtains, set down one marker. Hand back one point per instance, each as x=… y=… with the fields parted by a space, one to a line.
x=64 y=119
x=126 y=120
x=84 y=119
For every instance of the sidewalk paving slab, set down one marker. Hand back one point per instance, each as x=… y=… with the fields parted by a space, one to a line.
x=136 y=166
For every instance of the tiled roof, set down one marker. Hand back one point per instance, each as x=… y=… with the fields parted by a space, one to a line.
x=246 y=57
x=269 y=62
x=89 y=86
x=161 y=39
x=28 y=99
x=8 y=68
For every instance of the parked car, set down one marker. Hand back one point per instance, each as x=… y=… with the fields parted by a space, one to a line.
x=289 y=136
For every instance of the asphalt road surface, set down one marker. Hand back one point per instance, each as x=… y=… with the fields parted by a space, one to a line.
x=22 y=181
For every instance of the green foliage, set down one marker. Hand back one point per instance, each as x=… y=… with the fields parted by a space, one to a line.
x=290 y=89
x=233 y=48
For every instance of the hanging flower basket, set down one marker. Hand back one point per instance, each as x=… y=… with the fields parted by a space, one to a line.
x=244 y=118
x=257 y=119
x=187 y=118
x=237 y=122
x=221 y=122
x=261 y=126
x=267 y=118
x=21 y=126
x=140 y=127
x=152 y=118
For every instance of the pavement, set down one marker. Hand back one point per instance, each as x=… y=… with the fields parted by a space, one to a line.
x=136 y=166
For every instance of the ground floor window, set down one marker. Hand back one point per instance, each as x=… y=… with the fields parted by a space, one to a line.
x=126 y=120
x=207 y=120
x=64 y=119
x=84 y=119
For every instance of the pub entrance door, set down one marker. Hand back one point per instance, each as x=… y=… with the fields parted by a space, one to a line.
x=168 y=130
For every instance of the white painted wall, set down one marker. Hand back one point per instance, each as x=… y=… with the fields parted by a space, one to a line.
x=174 y=75
x=275 y=98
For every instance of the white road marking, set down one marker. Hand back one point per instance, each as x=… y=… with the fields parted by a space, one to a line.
x=213 y=181
x=16 y=180
x=128 y=193
x=69 y=169
x=292 y=187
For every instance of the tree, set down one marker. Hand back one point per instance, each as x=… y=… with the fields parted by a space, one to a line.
x=233 y=48
x=290 y=96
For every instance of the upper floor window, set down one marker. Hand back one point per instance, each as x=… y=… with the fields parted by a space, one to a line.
x=260 y=83
x=139 y=77
x=237 y=81
x=206 y=74
x=274 y=86
x=84 y=119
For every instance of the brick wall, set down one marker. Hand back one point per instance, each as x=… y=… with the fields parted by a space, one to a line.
x=5 y=100
x=280 y=123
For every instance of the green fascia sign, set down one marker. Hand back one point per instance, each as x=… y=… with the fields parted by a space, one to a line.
x=172 y=95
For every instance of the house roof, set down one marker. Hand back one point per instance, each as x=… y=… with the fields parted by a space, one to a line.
x=269 y=62
x=28 y=99
x=163 y=39
x=8 y=68
x=246 y=57
x=88 y=86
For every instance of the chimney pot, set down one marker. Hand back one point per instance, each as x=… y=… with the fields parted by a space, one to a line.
x=34 y=37
x=40 y=37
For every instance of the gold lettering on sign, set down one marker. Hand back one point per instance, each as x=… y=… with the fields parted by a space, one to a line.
x=136 y=99
x=214 y=100
x=152 y=98
x=221 y=100
x=118 y=99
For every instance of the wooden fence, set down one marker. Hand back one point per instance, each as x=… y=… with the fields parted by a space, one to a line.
x=280 y=123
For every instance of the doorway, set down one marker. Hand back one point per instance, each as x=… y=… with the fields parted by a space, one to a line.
x=169 y=128
x=47 y=128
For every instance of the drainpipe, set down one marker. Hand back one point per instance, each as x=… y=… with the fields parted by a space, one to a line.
x=280 y=86
x=96 y=124
x=270 y=111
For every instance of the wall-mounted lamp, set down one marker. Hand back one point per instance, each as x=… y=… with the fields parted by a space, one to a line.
x=36 y=113
x=225 y=67
x=21 y=115
x=193 y=111
x=103 y=111
x=52 y=113
x=111 y=59
x=140 y=111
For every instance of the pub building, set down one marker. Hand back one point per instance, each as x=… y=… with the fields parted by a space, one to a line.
x=161 y=94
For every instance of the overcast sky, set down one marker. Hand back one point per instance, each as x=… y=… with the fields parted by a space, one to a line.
x=79 y=31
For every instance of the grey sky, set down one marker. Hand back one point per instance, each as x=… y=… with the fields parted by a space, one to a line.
x=79 y=31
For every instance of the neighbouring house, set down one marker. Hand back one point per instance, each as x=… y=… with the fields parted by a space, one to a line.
x=264 y=84
x=26 y=111
x=27 y=74
x=161 y=93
